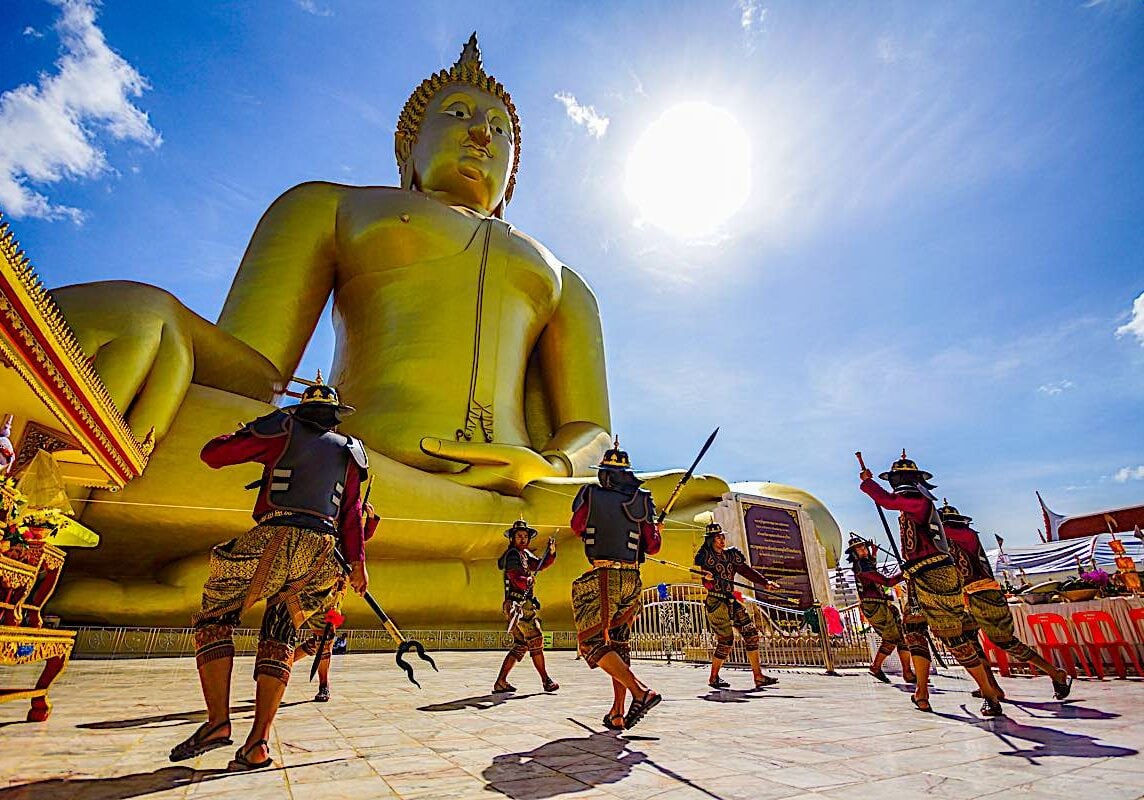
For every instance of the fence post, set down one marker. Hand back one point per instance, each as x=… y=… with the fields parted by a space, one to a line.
x=824 y=640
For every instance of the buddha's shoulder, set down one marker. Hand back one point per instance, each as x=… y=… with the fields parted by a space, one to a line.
x=321 y=192
x=530 y=245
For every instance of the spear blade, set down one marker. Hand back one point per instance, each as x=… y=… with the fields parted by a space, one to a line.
x=686 y=477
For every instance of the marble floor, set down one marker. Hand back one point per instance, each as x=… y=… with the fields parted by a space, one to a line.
x=812 y=736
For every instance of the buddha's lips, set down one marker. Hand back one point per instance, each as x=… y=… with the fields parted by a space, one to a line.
x=476 y=148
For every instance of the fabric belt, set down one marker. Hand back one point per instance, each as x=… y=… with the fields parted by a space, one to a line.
x=720 y=595
x=278 y=513
x=982 y=585
x=926 y=564
x=607 y=564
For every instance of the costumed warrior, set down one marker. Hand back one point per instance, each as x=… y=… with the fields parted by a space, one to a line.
x=987 y=605
x=933 y=578
x=309 y=491
x=878 y=609
x=725 y=614
x=520 y=566
x=616 y=522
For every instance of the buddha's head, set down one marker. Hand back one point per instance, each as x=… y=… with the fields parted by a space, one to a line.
x=459 y=135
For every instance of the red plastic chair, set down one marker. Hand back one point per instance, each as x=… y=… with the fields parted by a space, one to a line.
x=1051 y=634
x=1099 y=632
x=995 y=655
x=1137 y=617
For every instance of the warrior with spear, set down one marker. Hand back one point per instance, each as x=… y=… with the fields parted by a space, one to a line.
x=616 y=522
x=309 y=494
x=878 y=609
x=987 y=605
x=520 y=566
x=720 y=564
x=932 y=576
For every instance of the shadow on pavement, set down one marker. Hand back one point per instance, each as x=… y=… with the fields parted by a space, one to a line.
x=555 y=768
x=481 y=702
x=197 y=715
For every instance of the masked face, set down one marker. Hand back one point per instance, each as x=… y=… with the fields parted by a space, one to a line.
x=464 y=150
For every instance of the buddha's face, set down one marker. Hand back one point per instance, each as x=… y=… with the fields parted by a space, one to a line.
x=464 y=149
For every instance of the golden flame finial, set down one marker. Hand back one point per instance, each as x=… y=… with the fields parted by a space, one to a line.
x=471 y=53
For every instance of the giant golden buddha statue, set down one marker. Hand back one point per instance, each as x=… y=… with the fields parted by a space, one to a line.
x=474 y=357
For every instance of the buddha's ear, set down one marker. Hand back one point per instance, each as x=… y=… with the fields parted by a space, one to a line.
x=498 y=212
x=403 y=149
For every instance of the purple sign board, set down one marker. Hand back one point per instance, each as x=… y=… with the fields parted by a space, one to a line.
x=774 y=542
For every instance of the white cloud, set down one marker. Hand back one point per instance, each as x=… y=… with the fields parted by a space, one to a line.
x=48 y=130
x=751 y=15
x=1134 y=326
x=1055 y=388
x=1125 y=474
x=33 y=33
x=595 y=122
x=311 y=7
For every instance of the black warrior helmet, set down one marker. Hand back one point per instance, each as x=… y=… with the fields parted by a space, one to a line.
x=904 y=474
x=951 y=516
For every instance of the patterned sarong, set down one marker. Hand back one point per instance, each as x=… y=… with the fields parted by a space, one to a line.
x=605 y=601
x=725 y=616
x=527 y=635
x=991 y=612
x=292 y=569
x=885 y=619
x=939 y=592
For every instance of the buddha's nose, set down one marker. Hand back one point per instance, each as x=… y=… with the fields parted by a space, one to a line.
x=480 y=133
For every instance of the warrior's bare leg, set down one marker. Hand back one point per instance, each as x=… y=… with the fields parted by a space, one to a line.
x=538 y=662
x=756 y=664
x=509 y=662
x=267 y=698
x=907 y=665
x=619 y=698
x=214 y=677
x=716 y=665
x=612 y=664
x=921 y=671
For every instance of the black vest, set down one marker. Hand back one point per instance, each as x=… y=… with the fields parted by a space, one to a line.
x=613 y=528
x=309 y=477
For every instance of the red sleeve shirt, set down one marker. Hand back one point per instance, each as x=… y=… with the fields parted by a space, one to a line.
x=917 y=508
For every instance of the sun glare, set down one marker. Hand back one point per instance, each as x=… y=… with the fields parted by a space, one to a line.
x=690 y=171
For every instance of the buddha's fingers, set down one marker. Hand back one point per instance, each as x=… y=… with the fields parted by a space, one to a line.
x=164 y=387
x=470 y=452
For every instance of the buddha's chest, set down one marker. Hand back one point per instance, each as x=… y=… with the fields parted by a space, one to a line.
x=404 y=240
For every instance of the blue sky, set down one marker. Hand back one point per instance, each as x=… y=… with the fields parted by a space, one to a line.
x=941 y=249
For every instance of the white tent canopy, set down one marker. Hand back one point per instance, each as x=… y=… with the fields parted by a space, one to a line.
x=1058 y=557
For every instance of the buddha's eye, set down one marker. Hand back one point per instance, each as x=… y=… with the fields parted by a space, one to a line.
x=457 y=110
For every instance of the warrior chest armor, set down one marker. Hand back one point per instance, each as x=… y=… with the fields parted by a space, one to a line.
x=612 y=531
x=309 y=476
x=521 y=561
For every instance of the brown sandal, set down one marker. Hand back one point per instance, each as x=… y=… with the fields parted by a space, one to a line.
x=200 y=742
x=245 y=763
x=614 y=722
x=922 y=705
x=639 y=708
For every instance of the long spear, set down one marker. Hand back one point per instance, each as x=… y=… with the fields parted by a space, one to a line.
x=403 y=645
x=686 y=477
x=898 y=558
x=698 y=571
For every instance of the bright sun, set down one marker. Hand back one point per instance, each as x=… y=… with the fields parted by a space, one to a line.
x=690 y=170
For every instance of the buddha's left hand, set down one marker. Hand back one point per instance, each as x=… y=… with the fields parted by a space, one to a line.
x=503 y=468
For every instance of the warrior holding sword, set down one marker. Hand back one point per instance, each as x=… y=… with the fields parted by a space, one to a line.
x=520 y=566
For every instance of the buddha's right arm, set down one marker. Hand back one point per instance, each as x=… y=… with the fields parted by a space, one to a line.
x=286 y=275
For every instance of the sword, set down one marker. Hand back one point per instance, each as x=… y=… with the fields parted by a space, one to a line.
x=514 y=617
x=898 y=558
x=403 y=645
x=686 y=477
x=333 y=619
